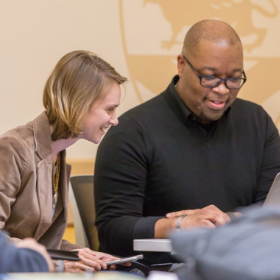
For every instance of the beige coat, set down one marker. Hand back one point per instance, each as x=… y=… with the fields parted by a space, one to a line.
x=26 y=185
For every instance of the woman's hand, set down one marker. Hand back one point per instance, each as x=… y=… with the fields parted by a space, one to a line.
x=90 y=261
x=106 y=258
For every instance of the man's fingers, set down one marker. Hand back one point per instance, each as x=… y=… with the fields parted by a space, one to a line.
x=209 y=216
x=174 y=214
x=237 y=214
x=217 y=219
x=227 y=218
x=214 y=214
x=207 y=224
x=180 y=213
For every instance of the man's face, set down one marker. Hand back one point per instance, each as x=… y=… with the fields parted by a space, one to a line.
x=215 y=59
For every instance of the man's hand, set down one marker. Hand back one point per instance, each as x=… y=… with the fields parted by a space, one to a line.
x=209 y=216
x=90 y=261
x=180 y=213
x=30 y=243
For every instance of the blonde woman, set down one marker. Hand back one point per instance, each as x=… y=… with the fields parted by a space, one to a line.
x=80 y=99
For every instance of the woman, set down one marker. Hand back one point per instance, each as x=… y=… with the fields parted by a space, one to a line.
x=80 y=98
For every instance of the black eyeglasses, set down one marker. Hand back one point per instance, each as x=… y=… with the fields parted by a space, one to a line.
x=213 y=81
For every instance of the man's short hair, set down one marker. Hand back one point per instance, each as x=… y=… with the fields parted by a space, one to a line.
x=78 y=80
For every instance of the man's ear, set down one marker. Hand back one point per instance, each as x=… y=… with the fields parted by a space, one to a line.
x=180 y=64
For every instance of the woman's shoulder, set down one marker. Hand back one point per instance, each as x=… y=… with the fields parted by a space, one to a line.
x=20 y=137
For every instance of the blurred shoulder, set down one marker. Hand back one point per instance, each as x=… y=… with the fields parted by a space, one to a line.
x=243 y=107
x=147 y=110
x=21 y=136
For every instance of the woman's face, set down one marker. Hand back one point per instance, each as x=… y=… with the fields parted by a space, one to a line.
x=102 y=115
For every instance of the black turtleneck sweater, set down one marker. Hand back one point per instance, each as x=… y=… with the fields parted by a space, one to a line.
x=160 y=159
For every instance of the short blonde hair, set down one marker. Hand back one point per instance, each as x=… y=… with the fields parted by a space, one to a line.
x=76 y=82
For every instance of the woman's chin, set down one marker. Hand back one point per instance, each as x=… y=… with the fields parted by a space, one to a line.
x=95 y=140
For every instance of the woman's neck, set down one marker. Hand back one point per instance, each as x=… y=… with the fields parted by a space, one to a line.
x=60 y=145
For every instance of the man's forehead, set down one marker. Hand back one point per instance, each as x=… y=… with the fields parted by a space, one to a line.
x=217 y=57
x=206 y=49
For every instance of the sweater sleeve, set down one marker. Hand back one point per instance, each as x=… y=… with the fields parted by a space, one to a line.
x=121 y=169
x=15 y=260
x=270 y=159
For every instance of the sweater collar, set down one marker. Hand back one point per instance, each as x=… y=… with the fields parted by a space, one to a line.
x=179 y=106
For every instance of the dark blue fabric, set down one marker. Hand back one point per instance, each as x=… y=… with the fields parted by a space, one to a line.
x=13 y=259
x=247 y=248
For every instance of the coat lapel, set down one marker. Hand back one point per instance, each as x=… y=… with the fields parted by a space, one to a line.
x=44 y=192
x=42 y=136
x=64 y=183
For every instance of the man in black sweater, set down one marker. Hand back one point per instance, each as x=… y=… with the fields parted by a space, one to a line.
x=194 y=150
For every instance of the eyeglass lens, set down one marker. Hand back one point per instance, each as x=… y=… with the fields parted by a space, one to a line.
x=211 y=81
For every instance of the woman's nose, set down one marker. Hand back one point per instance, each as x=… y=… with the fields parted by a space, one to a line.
x=114 y=121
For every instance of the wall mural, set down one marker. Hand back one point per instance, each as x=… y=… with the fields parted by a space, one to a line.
x=153 y=32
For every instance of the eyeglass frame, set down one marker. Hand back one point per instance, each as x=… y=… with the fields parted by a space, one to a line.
x=200 y=76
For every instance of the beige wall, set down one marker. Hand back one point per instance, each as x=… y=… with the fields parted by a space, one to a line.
x=140 y=38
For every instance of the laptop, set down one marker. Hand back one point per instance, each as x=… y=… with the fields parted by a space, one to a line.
x=273 y=196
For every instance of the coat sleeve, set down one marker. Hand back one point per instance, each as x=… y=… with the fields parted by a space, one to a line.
x=66 y=245
x=15 y=260
x=119 y=187
x=13 y=155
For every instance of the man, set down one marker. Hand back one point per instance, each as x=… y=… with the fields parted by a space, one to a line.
x=25 y=256
x=194 y=147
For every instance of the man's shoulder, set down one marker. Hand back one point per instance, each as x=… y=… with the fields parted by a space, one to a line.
x=250 y=115
x=142 y=118
x=153 y=103
x=242 y=103
x=247 y=107
x=155 y=106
